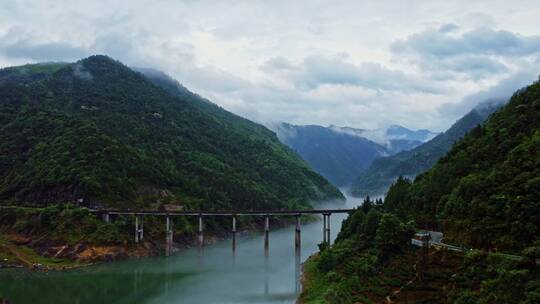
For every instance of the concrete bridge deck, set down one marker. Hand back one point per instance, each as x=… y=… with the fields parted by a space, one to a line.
x=225 y=212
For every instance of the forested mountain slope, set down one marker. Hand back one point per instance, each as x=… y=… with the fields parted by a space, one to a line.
x=484 y=196
x=340 y=153
x=338 y=156
x=485 y=193
x=384 y=171
x=98 y=131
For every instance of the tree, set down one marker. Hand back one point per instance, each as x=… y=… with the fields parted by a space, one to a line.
x=392 y=235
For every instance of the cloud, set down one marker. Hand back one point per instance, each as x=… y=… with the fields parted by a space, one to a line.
x=80 y=72
x=473 y=66
x=305 y=63
x=501 y=90
x=317 y=70
x=209 y=78
x=447 y=28
x=276 y=64
x=19 y=44
x=474 y=54
x=481 y=41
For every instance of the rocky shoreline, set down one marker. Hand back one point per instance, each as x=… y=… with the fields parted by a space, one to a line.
x=61 y=256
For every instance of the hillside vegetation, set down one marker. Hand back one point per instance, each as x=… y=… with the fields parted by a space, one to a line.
x=98 y=131
x=378 y=177
x=340 y=153
x=338 y=156
x=484 y=194
x=372 y=262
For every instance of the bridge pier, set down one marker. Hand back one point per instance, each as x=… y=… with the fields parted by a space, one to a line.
x=266 y=253
x=142 y=229
x=139 y=234
x=106 y=217
x=234 y=234
x=136 y=229
x=201 y=235
x=326 y=228
x=266 y=235
x=297 y=253
x=297 y=231
x=169 y=237
x=109 y=216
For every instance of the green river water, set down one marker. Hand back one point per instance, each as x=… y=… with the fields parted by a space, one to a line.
x=186 y=277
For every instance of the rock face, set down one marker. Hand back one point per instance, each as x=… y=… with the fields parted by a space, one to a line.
x=91 y=253
x=81 y=253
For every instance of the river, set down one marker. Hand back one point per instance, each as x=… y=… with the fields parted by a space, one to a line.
x=186 y=277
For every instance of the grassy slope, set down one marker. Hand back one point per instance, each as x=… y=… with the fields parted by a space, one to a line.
x=13 y=254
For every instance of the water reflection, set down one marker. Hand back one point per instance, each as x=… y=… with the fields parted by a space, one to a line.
x=214 y=275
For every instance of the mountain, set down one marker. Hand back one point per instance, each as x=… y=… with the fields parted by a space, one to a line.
x=29 y=73
x=483 y=196
x=98 y=132
x=383 y=172
x=395 y=138
x=485 y=192
x=337 y=156
x=399 y=132
x=339 y=153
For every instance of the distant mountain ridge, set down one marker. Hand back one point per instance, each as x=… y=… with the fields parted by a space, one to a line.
x=394 y=138
x=337 y=156
x=399 y=132
x=384 y=171
x=339 y=153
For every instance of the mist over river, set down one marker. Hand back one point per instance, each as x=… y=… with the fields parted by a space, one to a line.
x=186 y=277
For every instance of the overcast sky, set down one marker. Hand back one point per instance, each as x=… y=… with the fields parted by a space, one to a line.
x=367 y=64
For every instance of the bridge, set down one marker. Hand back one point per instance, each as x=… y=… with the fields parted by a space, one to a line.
x=139 y=224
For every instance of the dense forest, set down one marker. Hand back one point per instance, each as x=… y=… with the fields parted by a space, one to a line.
x=378 y=177
x=484 y=195
x=99 y=133
x=372 y=261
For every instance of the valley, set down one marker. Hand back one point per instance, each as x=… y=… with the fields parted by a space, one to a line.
x=276 y=152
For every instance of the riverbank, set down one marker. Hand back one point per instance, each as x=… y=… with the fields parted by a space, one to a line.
x=18 y=251
x=66 y=237
x=60 y=237
x=374 y=261
x=215 y=275
x=404 y=278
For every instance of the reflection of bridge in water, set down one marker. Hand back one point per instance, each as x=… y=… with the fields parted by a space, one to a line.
x=139 y=228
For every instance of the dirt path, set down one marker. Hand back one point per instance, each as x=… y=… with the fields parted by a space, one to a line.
x=19 y=255
x=396 y=292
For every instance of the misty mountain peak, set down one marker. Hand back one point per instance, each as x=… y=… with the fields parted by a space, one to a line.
x=489 y=106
